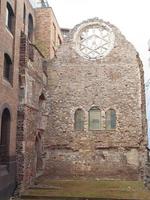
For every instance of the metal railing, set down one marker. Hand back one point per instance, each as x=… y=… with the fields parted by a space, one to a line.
x=41 y=4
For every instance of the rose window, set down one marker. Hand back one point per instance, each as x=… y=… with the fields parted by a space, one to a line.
x=95 y=41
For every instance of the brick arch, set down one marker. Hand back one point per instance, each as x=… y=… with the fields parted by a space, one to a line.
x=2 y=107
x=30 y=27
x=10 y=18
x=8 y=68
x=5 y=131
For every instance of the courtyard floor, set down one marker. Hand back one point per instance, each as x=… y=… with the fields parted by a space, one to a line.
x=45 y=188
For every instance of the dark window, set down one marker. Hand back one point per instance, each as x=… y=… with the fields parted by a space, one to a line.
x=24 y=16
x=10 y=18
x=38 y=153
x=5 y=136
x=31 y=52
x=59 y=40
x=8 y=68
x=110 y=119
x=79 y=119
x=41 y=101
x=94 y=119
x=41 y=117
x=30 y=27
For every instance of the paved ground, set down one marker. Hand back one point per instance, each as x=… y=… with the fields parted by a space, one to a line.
x=87 y=189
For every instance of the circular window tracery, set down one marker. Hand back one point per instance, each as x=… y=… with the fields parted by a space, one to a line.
x=95 y=41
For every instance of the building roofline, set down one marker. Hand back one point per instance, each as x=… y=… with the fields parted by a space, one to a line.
x=53 y=15
x=62 y=28
x=56 y=21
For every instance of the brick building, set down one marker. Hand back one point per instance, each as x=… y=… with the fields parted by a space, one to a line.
x=9 y=59
x=97 y=122
x=23 y=86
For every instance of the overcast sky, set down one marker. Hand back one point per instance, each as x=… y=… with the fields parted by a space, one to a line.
x=130 y=16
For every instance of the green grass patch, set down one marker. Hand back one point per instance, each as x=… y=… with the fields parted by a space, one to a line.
x=132 y=190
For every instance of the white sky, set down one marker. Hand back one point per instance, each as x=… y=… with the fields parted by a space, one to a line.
x=132 y=17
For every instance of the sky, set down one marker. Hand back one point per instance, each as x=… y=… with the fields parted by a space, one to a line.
x=132 y=17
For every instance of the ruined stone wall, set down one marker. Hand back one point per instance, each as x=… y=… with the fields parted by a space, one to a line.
x=116 y=82
x=33 y=111
x=33 y=83
x=27 y=87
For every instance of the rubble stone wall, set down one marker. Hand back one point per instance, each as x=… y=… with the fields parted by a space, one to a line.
x=115 y=82
x=32 y=84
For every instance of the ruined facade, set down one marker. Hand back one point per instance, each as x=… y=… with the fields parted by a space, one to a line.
x=23 y=84
x=68 y=109
x=97 y=122
x=33 y=92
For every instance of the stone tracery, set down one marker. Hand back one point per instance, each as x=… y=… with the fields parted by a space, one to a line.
x=95 y=41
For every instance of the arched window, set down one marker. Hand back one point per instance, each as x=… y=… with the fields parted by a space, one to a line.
x=30 y=27
x=10 y=18
x=38 y=153
x=24 y=16
x=41 y=101
x=41 y=110
x=8 y=68
x=110 y=119
x=79 y=120
x=5 y=135
x=94 y=119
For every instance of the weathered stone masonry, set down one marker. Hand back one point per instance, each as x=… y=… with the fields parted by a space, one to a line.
x=116 y=82
x=33 y=91
x=46 y=101
x=32 y=114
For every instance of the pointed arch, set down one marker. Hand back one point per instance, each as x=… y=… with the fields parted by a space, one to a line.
x=8 y=68
x=30 y=27
x=38 y=153
x=5 y=135
x=41 y=101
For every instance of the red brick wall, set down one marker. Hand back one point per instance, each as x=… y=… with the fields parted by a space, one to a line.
x=46 y=37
